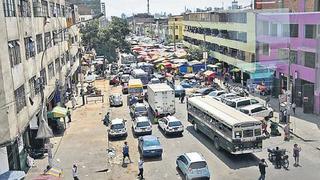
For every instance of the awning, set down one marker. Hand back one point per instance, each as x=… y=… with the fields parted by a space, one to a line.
x=235 y=70
x=13 y=175
x=189 y=75
x=218 y=64
x=209 y=73
x=59 y=112
x=212 y=66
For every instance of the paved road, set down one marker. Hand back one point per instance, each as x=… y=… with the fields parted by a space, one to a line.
x=222 y=164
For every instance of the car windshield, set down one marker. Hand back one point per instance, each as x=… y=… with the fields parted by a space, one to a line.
x=116 y=97
x=140 y=109
x=198 y=165
x=135 y=90
x=117 y=126
x=175 y=123
x=143 y=124
x=151 y=143
x=231 y=104
x=248 y=133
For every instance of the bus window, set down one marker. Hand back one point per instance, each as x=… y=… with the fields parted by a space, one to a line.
x=257 y=132
x=238 y=134
x=243 y=103
x=247 y=133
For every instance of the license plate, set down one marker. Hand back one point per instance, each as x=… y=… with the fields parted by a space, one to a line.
x=143 y=130
x=153 y=151
x=175 y=128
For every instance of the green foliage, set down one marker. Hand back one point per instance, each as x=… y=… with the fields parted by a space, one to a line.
x=194 y=53
x=107 y=40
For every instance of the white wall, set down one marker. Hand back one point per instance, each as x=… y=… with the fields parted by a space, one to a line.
x=4 y=164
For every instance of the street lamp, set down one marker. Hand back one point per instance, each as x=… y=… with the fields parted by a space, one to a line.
x=44 y=131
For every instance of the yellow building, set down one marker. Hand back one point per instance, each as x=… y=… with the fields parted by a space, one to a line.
x=176 y=28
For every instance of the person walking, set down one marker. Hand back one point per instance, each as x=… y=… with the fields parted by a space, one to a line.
x=75 y=172
x=69 y=115
x=278 y=158
x=125 y=152
x=73 y=101
x=296 y=154
x=262 y=168
x=183 y=94
x=294 y=108
x=82 y=95
x=140 y=166
x=286 y=130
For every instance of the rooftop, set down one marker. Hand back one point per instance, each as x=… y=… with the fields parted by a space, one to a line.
x=195 y=157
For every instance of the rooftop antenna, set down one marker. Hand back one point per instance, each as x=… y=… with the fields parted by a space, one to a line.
x=148 y=6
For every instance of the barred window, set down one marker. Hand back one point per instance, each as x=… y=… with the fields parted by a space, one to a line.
x=58 y=10
x=43 y=75
x=20 y=98
x=47 y=40
x=24 y=8
x=63 y=11
x=14 y=52
x=9 y=8
x=50 y=71
x=39 y=43
x=57 y=65
x=52 y=10
x=29 y=47
x=44 y=7
x=32 y=86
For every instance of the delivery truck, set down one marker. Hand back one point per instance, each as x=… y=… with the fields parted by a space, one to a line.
x=161 y=99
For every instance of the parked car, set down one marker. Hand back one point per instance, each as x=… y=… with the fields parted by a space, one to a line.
x=125 y=88
x=170 y=125
x=189 y=83
x=238 y=103
x=227 y=96
x=124 y=78
x=193 y=166
x=138 y=109
x=178 y=90
x=150 y=146
x=117 y=128
x=115 y=100
x=216 y=93
x=205 y=91
x=142 y=126
x=258 y=110
x=114 y=80
x=154 y=81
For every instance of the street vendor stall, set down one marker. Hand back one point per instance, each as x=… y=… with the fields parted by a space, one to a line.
x=54 y=119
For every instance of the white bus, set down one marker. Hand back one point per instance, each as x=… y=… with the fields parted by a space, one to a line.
x=229 y=129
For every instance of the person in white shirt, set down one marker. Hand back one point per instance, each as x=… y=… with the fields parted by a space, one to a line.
x=75 y=172
x=140 y=166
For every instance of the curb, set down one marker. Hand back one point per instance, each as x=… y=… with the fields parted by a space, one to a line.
x=296 y=135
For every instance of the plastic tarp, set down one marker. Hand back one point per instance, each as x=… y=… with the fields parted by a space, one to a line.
x=59 y=112
x=13 y=175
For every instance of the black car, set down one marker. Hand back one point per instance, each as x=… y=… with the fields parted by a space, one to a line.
x=205 y=91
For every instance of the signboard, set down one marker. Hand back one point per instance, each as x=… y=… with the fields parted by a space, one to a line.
x=205 y=55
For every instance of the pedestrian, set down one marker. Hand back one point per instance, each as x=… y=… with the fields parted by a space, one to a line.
x=140 y=166
x=73 y=101
x=286 y=130
x=69 y=115
x=183 y=94
x=278 y=157
x=296 y=154
x=106 y=119
x=82 y=95
x=262 y=168
x=294 y=108
x=125 y=152
x=75 y=172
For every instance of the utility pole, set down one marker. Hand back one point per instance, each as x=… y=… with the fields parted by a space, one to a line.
x=289 y=87
x=174 y=35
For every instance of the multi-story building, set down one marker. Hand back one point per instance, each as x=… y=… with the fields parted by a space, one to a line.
x=93 y=5
x=36 y=41
x=291 y=5
x=176 y=28
x=228 y=35
x=294 y=36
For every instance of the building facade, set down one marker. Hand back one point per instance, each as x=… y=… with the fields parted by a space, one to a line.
x=176 y=28
x=37 y=40
x=294 y=37
x=291 y=5
x=93 y=5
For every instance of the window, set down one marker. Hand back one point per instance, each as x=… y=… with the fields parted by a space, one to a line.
x=52 y=10
x=50 y=71
x=47 y=40
x=274 y=30
x=24 y=9
x=265 y=28
x=57 y=65
x=58 y=10
x=283 y=53
x=56 y=37
x=39 y=43
x=294 y=30
x=309 y=59
x=9 y=8
x=177 y=36
x=43 y=75
x=32 y=86
x=63 y=11
x=44 y=7
x=293 y=56
x=248 y=133
x=265 y=49
x=14 y=52
x=29 y=47
x=310 y=31
x=20 y=98
x=243 y=103
x=285 y=30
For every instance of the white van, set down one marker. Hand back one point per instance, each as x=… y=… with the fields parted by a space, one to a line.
x=258 y=110
x=238 y=103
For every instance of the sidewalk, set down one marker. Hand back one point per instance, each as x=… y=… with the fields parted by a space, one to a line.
x=84 y=142
x=305 y=126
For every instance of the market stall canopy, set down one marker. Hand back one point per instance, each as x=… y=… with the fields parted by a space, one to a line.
x=13 y=175
x=218 y=64
x=212 y=66
x=189 y=75
x=194 y=62
x=59 y=112
x=235 y=70
x=168 y=75
x=209 y=73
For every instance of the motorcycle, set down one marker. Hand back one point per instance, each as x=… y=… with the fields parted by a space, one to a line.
x=284 y=161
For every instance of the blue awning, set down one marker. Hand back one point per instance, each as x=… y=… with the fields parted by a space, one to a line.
x=13 y=175
x=261 y=75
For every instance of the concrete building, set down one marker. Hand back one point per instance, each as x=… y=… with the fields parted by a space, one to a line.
x=294 y=36
x=228 y=35
x=176 y=28
x=291 y=5
x=37 y=40
x=94 y=5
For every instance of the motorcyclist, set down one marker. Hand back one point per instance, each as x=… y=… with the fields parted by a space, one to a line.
x=277 y=153
x=106 y=119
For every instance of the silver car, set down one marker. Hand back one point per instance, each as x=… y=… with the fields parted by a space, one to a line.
x=193 y=166
x=142 y=126
x=115 y=100
x=117 y=128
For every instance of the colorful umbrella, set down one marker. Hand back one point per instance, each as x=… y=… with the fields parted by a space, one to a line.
x=59 y=112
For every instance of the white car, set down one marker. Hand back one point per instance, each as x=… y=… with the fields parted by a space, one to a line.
x=142 y=126
x=216 y=93
x=258 y=110
x=117 y=128
x=171 y=125
x=224 y=97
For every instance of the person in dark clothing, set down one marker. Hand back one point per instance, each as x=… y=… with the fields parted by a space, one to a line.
x=183 y=94
x=140 y=166
x=69 y=115
x=262 y=169
x=125 y=152
x=82 y=95
x=278 y=157
x=106 y=119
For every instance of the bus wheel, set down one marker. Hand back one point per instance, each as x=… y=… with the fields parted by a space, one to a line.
x=195 y=127
x=216 y=143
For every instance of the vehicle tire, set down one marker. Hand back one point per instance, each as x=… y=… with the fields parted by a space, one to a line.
x=216 y=143
x=285 y=163
x=195 y=127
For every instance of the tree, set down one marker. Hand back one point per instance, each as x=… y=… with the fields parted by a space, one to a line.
x=194 y=53
x=107 y=41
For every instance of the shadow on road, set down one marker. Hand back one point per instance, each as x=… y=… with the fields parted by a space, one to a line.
x=232 y=161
